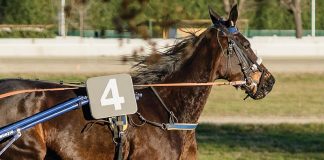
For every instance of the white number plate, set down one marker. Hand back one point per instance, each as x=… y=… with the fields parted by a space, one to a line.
x=111 y=96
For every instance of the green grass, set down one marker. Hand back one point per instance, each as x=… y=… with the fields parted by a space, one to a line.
x=256 y=142
x=292 y=95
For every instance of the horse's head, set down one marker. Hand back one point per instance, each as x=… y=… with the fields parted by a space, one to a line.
x=238 y=61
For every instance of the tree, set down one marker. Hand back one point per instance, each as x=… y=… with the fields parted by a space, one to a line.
x=294 y=7
x=228 y=4
x=76 y=10
x=100 y=14
x=271 y=15
x=27 y=12
x=134 y=15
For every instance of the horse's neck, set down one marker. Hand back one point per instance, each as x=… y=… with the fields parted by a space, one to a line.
x=188 y=102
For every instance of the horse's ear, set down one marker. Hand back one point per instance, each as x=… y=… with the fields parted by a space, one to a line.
x=214 y=16
x=233 y=16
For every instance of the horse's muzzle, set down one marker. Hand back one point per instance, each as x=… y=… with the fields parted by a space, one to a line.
x=264 y=87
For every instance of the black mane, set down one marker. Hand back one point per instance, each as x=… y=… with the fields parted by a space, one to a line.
x=157 y=66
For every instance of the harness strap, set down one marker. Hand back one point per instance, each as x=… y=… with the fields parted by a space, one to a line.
x=172 y=117
x=160 y=125
x=167 y=126
x=118 y=125
x=119 y=146
x=172 y=125
x=246 y=62
x=229 y=54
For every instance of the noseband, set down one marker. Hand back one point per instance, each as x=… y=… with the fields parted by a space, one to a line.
x=248 y=66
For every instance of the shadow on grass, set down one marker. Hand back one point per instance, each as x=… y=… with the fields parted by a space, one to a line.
x=284 y=138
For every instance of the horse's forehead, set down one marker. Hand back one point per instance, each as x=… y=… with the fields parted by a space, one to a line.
x=217 y=33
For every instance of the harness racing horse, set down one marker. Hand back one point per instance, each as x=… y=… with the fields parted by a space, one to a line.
x=220 y=52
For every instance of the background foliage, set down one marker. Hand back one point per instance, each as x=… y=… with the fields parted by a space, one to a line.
x=129 y=14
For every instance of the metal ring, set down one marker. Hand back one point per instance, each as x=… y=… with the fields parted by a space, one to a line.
x=163 y=126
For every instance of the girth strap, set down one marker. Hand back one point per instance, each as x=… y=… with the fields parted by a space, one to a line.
x=118 y=125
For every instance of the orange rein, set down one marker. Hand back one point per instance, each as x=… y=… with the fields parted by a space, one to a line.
x=135 y=85
x=234 y=83
x=8 y=94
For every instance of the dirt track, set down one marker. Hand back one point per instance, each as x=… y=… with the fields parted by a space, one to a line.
x=63 y=65
x=114 y=64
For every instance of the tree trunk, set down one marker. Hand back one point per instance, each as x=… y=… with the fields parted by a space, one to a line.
x=298 y=19
x=228 y=4
x=294 y=6
x=81 y=22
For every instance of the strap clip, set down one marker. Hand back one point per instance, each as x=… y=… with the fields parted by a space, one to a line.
x=13 y=139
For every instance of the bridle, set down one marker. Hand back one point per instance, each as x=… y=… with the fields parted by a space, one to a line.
x=248 y=66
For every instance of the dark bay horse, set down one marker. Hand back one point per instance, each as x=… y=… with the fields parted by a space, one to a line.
x=220 y=52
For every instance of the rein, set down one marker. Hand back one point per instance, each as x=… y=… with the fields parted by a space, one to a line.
x=234 y=83
x=8 y=94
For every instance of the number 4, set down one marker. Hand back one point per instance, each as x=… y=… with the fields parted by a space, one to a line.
x=115 y=100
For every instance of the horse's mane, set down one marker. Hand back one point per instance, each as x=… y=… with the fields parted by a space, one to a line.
x=161 y=64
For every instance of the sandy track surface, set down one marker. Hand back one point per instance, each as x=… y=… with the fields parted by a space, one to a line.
x=63 y=65
x=114 y=64
x=297 y=65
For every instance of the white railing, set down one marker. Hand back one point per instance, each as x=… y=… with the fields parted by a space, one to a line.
x=75 y=46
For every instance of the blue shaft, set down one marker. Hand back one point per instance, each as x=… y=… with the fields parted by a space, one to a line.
x=50 y=116
x=43 y=116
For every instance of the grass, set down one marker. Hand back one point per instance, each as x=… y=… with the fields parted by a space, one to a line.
x=293 y=95
x=261 y=142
